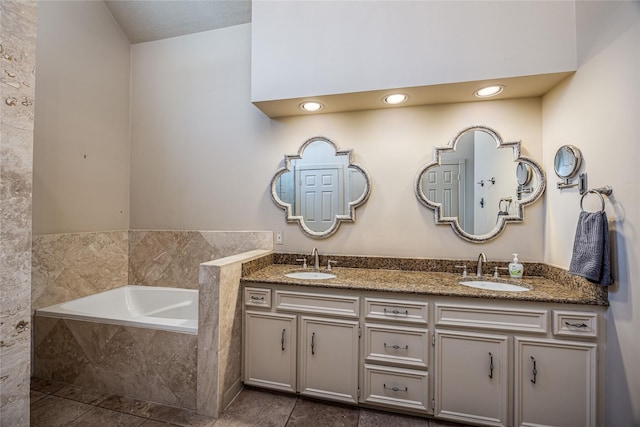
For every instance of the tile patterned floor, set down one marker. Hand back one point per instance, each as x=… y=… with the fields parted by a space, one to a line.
x=58 y=404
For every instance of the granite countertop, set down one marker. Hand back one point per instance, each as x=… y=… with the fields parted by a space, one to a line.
x=427 y=283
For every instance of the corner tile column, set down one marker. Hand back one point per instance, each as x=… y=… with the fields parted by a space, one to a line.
x=220 y=332
x=18 y=21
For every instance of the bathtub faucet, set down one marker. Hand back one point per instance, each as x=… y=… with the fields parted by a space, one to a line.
x=316 y=260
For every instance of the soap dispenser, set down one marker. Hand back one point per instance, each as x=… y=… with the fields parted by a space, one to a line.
x=515 y=268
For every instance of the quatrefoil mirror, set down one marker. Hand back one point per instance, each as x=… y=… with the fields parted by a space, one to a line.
x=479 y=183
x=320 y=187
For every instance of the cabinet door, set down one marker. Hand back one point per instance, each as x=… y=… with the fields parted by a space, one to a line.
x=555 y=383
x=471 y=377
x=329 y=359
x=270 y=350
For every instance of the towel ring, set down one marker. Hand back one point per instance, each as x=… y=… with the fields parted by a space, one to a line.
x=593 y=192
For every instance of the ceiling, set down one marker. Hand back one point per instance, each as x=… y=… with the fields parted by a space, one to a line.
x=149 y=20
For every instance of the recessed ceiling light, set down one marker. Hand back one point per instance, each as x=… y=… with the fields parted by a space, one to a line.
x=488 y=91
x=396 y=98
x=311 y=106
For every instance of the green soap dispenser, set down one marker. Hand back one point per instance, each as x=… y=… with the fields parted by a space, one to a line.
x=516 y=268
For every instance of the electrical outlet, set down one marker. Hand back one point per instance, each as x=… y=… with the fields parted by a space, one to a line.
x=279 y=237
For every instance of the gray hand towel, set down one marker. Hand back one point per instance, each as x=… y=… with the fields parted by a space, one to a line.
x=591 y=248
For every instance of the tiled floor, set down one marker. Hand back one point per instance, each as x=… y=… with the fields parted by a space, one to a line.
x=58 y=404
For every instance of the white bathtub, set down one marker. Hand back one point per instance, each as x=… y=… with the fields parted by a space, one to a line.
x=169 y=309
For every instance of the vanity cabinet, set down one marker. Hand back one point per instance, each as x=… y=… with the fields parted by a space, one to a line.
x=522 y=373
x=471 y=377
x=482 y=362
x=555 y=383
x=329 y=358
x=315 y=355
x=270 y=344
x=396 y=354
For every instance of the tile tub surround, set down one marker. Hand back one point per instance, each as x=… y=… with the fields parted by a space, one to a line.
x=74 y=265
x=220 y=331
x=148 y=364
x=171 y=258
x=435 y=277
x=18 y=24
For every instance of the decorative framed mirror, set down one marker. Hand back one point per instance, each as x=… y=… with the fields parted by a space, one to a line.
x=479 y=183
x=320 y=187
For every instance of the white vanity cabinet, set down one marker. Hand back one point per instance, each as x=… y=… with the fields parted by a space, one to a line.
x=555 y=383
x=396 y=354
x=302 y=342
x=499 y=362
x=270 y=345
x=329 y=358
x=471 y=378
x=485 y=362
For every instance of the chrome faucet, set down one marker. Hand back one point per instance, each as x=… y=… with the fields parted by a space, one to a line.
x=316 y=260
x=481 y=258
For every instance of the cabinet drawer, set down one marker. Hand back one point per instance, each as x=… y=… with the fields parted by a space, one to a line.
x=502 y=319
x=575 y=323
x=414 y=312
x=257 y=297
x=333 y=305
x=399 y=345
x=395 y=387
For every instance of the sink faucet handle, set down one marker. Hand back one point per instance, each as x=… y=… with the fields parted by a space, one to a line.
x=329 y=262
x=303 y=260
x=464 y=271
x=495 y=271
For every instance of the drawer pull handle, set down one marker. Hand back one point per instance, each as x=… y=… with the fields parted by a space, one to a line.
x=282 y=339
x=534 y=371
x=396 y=312
x=394 y=388
x=313 y=343
x=255 y=298
x=575 y=325
x=490 y=365
x=396 y=346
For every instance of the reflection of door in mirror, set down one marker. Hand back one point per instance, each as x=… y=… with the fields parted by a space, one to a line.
x=446 y=185
x=318 y=198
x=318 y=186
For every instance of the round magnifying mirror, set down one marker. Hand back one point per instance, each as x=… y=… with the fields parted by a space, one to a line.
x=523 y=173
x=567 y=161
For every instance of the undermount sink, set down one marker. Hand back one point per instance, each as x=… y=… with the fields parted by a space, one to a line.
x=310 y=275
x=494 y=286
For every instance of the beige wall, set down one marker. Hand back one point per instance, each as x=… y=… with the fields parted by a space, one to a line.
x=336 y=47
x=81 y=147
x=597 y=110
x=203 y=156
